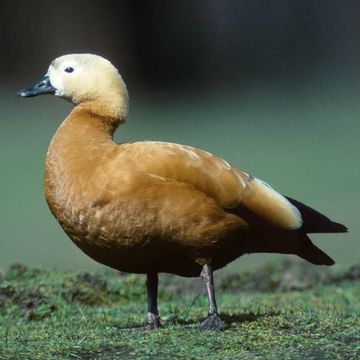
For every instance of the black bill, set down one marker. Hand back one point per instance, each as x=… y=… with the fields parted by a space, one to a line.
x=42 y=87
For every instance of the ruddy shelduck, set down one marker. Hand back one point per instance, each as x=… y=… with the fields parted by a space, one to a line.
x=149 y=207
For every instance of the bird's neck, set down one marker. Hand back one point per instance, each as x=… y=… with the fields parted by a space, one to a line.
x=112 y=111
x=79 y=146
x=83 y=128
x=110 y=106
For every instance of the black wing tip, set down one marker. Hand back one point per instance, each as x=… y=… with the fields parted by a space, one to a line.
x=329 y=227
x=329 y=262
x=315 y=222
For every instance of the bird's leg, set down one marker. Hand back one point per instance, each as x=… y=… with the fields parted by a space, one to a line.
x=213 y=321
x=154 y=321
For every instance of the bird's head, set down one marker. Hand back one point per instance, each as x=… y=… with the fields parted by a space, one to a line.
x=83 y=79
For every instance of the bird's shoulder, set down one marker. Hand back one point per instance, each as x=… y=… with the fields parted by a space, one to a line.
x=231 y=188
x=204 y=171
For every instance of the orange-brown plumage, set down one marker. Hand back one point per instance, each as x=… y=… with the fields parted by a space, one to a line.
x=121 y=210
x=149 y=207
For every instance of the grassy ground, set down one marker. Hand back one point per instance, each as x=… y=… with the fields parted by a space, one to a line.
x=281 y=311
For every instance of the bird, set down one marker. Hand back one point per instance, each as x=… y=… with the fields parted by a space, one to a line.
x=151 y=207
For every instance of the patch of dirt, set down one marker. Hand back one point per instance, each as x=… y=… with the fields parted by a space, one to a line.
x=287 y=276
x=179 y=286
x=104 y=352
x=95 y=281
x=102 y=288
x=323 y=352
x=32 y=303
x=348 y=340
x=86 y=288
x=352 y=274
x=19 y=271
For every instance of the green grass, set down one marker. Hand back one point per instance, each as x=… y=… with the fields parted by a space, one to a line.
x=288 y=310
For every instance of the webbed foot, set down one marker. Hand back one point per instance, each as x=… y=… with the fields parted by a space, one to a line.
x=154 y=322
x=212 y=322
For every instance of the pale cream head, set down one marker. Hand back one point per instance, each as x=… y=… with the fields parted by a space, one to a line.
x=89 y=79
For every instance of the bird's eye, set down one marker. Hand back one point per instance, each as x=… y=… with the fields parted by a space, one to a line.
x=69 y=69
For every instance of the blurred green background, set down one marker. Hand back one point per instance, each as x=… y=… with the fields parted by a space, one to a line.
x=272 y=87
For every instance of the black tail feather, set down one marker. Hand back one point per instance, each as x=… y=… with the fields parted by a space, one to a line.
x=315 y=222
x=287 y=242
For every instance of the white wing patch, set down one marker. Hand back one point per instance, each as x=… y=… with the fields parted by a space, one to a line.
x=264 y=183
x=291 y=216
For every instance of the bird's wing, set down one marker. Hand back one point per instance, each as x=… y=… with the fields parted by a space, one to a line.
x=231 y=188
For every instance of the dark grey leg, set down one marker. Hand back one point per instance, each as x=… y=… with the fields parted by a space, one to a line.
x=213 y=321
x=154 y=321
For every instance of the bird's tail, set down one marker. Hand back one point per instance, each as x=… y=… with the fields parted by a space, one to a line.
x=288 y=242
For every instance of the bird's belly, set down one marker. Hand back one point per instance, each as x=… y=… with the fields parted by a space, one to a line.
x=113 y=238
x=133 y=235
x=131 y=252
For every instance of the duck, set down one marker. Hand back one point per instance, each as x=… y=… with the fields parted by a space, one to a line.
x=151 y=207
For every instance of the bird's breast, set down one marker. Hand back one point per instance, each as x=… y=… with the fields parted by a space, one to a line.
x=86 y=197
